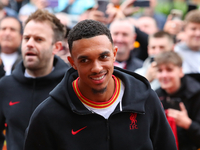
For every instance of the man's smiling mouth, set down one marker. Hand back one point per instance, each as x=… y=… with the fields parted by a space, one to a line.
x=99 y=78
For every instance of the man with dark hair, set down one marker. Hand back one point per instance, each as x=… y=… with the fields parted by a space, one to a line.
x=190 y=48
x=159 y=42
x=34 y=77
x=97 y=106
x=180 y=96
x=10 y=42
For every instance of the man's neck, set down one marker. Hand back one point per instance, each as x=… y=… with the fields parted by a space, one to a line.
x=37 y=73
x=99 y=97
x=8 y=51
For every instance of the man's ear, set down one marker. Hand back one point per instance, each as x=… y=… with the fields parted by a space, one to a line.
x=181 y=72
x=57 y=47
x=71 y=61
x=135 y=36
x=115 y=52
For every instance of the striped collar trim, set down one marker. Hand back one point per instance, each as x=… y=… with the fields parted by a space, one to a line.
x=98 y=105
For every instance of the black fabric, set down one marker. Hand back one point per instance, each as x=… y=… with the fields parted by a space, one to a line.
x=133 y=63
x=189 y=94
x=2 y=72
x=142 y=38
x=196 y=76
x=141 y=124
x=20 y=96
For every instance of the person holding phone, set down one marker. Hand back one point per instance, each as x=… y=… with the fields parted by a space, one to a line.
x=128 y=7
x=180 y=95
x=159 y=42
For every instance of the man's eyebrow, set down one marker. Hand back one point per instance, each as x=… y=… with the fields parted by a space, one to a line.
x=34 y=36
x=82 y=57
x=105 y=53
x=86 y=57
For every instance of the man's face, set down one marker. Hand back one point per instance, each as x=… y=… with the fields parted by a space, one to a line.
x=37 y=45
x=192 y=31
x=169 y=76
x=147 y=25
x=10 y=37
x=158 y=45
x=93 y=58
x=124 y=38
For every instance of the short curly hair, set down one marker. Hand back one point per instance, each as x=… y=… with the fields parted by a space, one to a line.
x=87 y=29
x=42 y=16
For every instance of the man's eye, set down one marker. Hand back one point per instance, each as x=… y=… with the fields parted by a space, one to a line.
x=26 y=38
x=2 y=29
x=38 y=39
x=84 y=60
x=104 y=57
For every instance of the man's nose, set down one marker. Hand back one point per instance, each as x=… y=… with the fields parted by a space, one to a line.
x=119 y=37
x=30 y=42
x=164 y=73
x=7 y=31
x=96 y=67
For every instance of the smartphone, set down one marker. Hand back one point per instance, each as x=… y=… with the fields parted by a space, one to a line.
x=102 y=6
x=191 y=7
x=176 y=14
x=151 y=59
x=141 y=3
x=171 y=103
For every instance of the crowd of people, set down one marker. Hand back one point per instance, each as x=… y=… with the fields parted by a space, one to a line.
x=125 y=78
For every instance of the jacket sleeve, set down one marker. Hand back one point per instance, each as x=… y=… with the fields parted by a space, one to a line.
x=2 y=123
x=194 y=129
x=2 y=127
x=37 y=135
x=2 y=72
x=161 y=134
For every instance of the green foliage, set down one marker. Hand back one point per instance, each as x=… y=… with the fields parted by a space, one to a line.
x=165 y=7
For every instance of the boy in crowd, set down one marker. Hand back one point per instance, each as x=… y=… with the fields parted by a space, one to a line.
x=180 y=95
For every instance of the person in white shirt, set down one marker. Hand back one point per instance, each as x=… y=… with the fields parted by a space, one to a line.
x=10 y=42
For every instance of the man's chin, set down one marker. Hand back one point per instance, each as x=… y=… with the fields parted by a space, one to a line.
x=30 y=66
x=99 y=91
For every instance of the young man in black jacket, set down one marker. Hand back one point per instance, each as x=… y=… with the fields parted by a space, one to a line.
x=97 y=106
x=34 y=77
x=180 y=95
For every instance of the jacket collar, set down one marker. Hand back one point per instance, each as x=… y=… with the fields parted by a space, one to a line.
x=136 y=92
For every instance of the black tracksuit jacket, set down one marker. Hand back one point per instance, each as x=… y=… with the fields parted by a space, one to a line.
x=189 y=94
x=19 y=96
x=62 y=122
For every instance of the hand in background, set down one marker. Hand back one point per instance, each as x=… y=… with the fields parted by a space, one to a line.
x=173 y=26
x=127 y=7
x=151 y=72
x=181 y=117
